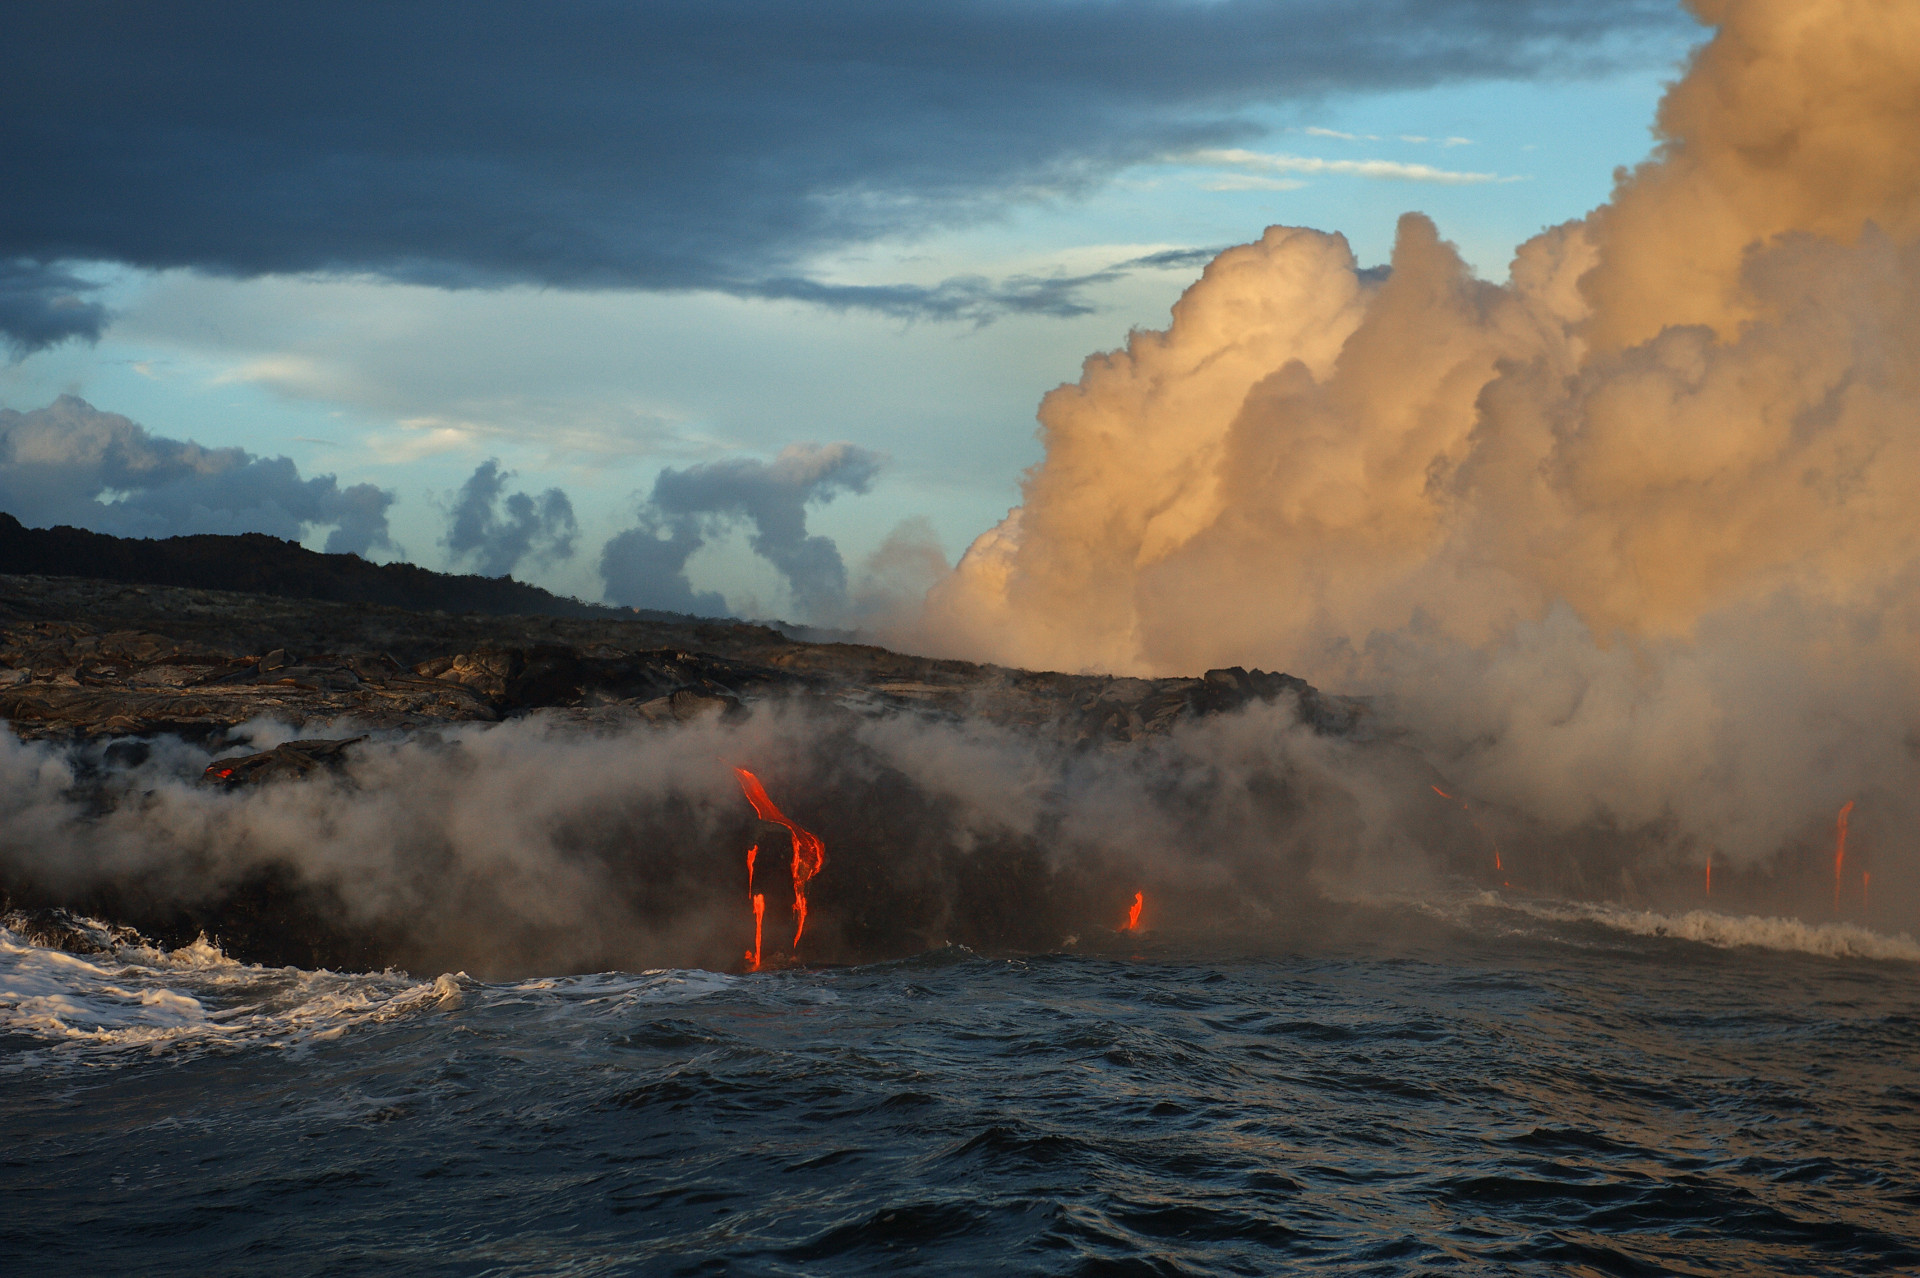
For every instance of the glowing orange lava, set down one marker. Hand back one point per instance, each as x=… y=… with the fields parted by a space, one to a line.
x=759 y=908
x=759 y=912
x=1709 y=876
x=809 y=853
x=1840 y=852
x=1133 y=912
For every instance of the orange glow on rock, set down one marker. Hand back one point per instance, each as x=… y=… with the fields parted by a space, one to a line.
x=809 y=853
x=1133 y=912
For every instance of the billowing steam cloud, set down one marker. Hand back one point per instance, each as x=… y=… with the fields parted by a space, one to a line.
x=69 y=463
x=494 y=535
x=529 y=846
x=646 y=565
x=1628 y=541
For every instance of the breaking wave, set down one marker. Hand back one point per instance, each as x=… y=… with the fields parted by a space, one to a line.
x=132 y=998
x=1724 y=931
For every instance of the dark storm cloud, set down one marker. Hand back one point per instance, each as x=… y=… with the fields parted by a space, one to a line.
x=70 y=463
x=709 y=145
x=646 y=566
x=494 y=530
x=42 y=306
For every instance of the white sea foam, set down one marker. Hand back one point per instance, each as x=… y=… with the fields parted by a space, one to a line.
x=1829 y=940
x=609 y=993
x=134 y=998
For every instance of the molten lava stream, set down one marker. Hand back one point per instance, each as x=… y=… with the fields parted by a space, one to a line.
x=809 y=853
x=759 y=912
x=759 y=904
x=1133 y=912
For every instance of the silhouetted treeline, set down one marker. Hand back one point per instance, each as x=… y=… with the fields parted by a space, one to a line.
x=259 y=564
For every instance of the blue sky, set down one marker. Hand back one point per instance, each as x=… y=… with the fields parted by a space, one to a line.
x=762 y=249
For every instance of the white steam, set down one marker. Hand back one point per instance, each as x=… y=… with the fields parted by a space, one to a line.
x=1628 y=543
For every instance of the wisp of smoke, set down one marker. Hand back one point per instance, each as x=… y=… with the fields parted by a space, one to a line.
x=1626 y=544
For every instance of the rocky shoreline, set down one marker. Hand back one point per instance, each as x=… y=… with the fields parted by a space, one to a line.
x=83 y=659
x=107 y=672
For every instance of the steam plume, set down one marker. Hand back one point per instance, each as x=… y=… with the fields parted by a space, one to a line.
x=1627 y=542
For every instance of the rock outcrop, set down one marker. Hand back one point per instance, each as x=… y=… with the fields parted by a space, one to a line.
x=86 y=659
x=113 y=675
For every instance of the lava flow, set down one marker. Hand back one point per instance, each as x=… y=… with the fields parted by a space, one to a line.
x=809 y=853
x=1133 y=912
x=1840 y=852
x=759 y=913
x=1476 y=825
x=759 y=908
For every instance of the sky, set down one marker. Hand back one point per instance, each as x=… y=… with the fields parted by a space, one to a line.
x=730 y=306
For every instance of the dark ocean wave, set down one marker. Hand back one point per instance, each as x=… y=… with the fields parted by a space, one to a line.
x=1501 y=1092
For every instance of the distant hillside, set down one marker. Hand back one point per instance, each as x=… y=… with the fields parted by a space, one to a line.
x=265 y=565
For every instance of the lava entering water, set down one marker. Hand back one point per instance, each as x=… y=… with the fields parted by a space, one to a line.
x=759 y=908
x=1840 y=852
x=809 y=853
x=1133 y=912
x=759 y=913
x=1476 y=825
x=1709 y=874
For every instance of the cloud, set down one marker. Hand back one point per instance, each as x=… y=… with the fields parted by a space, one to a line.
x=646 y=565
x=1391 y=170
x=69 y=463
x=1626 y=542
x=494 y=540
x=1251 y=182
x=42 y=305
x=716 y=146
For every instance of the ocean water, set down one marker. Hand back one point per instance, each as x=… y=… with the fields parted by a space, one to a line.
x=1469 y=1087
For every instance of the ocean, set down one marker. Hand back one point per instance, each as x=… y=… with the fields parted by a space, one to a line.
x=1469 y=1085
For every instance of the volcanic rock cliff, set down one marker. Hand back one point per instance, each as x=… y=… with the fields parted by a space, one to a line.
x=107 y=672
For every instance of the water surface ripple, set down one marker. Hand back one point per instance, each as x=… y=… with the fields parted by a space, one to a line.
x=1555 y=1098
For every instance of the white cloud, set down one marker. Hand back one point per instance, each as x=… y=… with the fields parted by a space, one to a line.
x=1391 y=170
x=1251 y=182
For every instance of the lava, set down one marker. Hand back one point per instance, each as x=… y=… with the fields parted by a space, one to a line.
x=759 y=902
x=1476 y=825
x=1133 y=912
x=1840 y=852
x=759 y=912
x=1709 y=876
x=809 y=853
